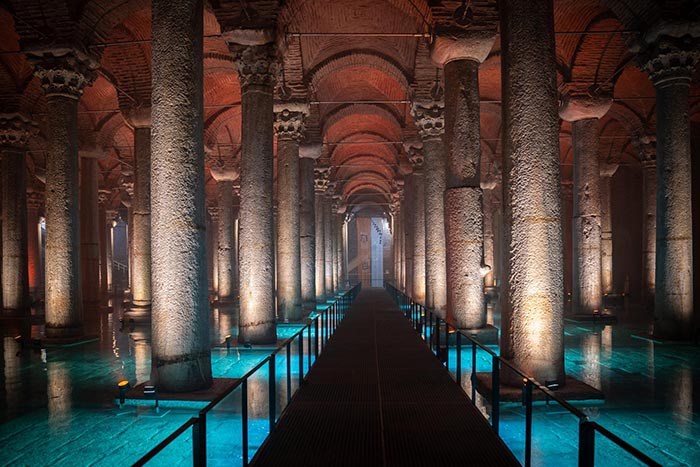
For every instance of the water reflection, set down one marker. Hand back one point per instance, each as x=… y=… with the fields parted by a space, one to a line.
x=682 y=399
x=590 y=348
x=58 y=391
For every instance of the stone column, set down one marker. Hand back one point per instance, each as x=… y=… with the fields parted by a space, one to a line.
x=490 y=214
x=320 y=187
x=256 y=72
x=328 y=245
x=89 y=227
x=671 y=65
x=646 y=147
x=428 y=117
x=214 y=238
x=111 y=217
x=408 y=233
x=339 y=250
x=464 y=198
x=417 y=222
x=225 y=237
x=289 y=127
x=584 y=112
x=532 y=330
x=15 y=131
x=180 y=304
x=307 y=225
x=103 y=199
x=139 y=118
x=607 y=171
x=63 y=75
x=35 y=203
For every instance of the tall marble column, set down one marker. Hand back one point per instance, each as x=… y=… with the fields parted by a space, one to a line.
x=328 y=245
x=607 y=170
x=428 y=117
x=307 y=225
x=35 y=203
x=671 y=65
x=646 y=148
x=225 y=237
x=532 y=331
x=289 y=127
x=180 y=304
x=89 y=227
x=464 y=198
x=15 y=132
x=139 y=118
x=256 y=73
x=320 y=187
x=63 y=75
x=415 y=154
x=584 y=111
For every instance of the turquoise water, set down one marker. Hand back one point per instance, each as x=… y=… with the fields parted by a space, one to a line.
x=59 y=408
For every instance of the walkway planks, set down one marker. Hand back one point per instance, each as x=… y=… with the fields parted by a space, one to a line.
x=378 y=397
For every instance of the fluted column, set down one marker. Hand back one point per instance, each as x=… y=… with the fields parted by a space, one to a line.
x=428 y=117
x=256 y=71
x=307 y=225
x=225 y=239
x=464 y=198
x=532 y=330
x=584 y=112
x=320 y=187
x=180 y=305
x=646 y=148
x=15 y=132
x=289 y=127
x=63 y=75
x=139 y=118
x=671 y=65
x=89 y=227
x=607 y=170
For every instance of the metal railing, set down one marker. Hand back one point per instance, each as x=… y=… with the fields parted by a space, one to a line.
x=430 y=326
x=324 y=322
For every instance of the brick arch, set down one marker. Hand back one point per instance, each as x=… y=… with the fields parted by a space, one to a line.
x=357 y=117
x=357 y=58
x=227 y=119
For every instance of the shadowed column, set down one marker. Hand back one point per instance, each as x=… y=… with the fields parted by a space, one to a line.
x=532 y=331
x=328 y=244
x=180 y=303
x=320 y=187
x=89 y=227
x=63 y=76
x=307 y=225
x=225 y=238
x=646 y=148
x=415 y=155
x=607 y=170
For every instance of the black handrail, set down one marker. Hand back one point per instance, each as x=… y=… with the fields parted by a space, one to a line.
x=330 y=318
x=587 y=428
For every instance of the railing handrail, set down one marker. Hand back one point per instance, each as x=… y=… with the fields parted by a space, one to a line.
x=240 y=381
x=583 y=418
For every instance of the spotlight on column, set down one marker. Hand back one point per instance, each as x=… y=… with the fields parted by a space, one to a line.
x=123 y=387
x=228 y=341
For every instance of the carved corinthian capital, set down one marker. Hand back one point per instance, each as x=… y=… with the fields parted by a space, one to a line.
x=429 y=117
x=289 y=120
x=63 y=72
x=257 y=65
x=16 y=130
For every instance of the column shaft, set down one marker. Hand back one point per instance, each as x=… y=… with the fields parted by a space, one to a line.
x=435 y=243
x=419 y=238
x=649 y=230
x=339 y=252
x=307 y=234
x=89 y=233
x=408 y=224
x=532 y=331
x=180 y=306
x=606 y=235
x=320 y=274
x=102 y=223
x=15 y=277
x=141 y=220
x=224 y=250
x=328 y=246
x=36 y=273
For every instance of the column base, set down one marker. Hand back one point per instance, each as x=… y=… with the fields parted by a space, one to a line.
x=667 y=330
x=137 y=314
x=64 y=334
x=572 y=390
x=487 y=335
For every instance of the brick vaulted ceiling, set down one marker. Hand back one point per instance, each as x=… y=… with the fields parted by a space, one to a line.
x=358 y=62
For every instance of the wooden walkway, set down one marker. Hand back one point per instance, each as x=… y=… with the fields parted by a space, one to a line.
x=378 y=397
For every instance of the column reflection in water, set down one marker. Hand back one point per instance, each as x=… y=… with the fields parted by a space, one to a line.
x=590 y=347
x=140 y=341
x=11 y=371
x=682 y=399
x=58 y=392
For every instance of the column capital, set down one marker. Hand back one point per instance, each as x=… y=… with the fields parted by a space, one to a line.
x=471 y=45
x=608 y=169
x=574 y=106
x=16 y=129
x=289 y=120
x=92 y=151
x=104 y=197
x=669 y=52
x=321 y=179
x=225 y=173
x=645 y=144
x=414 y=151
x=310 y=151
x=35 y=199
x=63 y=71
x=257 y=64
x=213 y=211
x=429 y=117
x=137 y=116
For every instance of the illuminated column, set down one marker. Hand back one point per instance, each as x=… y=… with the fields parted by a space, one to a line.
x=89 y=227
x=490 y=213
x=15 y=131
x=103 y=200
x=646 y=147
x=463 y=198
x=214 y=216
x=320 y=187
x=532 y=331
x=35 y=202
x=63 y=75
x=180 y=307
x=584 y=112
x=225 y=237
x=307 y=225
x=415 y=154
x=408 y=225
x=607 y=171
x=671 y=65
x=428 y=117
x=328 y=245
x=139 y=118
x=256 y=72
x=111 y=217
x=289 y=127
x=339 y=250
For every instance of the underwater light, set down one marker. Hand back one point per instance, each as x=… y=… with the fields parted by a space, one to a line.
x=228 y=341
x=123 y=386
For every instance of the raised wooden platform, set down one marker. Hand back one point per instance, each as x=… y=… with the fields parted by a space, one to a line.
x=378 y=396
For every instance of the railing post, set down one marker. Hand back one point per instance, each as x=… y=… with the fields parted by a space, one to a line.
x=458 y=370
x=316 y=338
x=289 y=372
x=308 y=347
x=495 y=393
x=586 y=444
x=447 y=346
x=473 y=375
x=272 y=392
x=528 y=422
x=437 y=336
x=300 y=352
x=199 y=443
x=244 y=421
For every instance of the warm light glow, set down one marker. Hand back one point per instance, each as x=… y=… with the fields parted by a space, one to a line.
x=123 y=383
